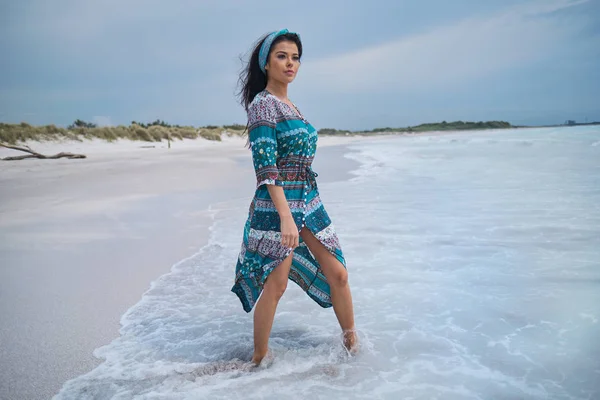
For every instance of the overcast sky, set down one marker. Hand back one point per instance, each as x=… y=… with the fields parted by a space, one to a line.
x=366 y=64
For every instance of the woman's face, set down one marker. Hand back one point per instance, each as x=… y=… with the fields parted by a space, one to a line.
x=284 y=62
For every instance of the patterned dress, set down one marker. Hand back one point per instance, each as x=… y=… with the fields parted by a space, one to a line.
x=283 y=146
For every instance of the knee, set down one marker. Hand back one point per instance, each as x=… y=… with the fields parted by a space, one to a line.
x=274 y=290
x=339 y=278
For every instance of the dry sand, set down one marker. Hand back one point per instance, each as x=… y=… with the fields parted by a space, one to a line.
x=81 y=240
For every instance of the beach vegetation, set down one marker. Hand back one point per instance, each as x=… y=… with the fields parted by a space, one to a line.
x=81 y=124
x=447 y=126
x=80 y=130
x=235 y=127
x=160 y=130
x=429 y=127
x=330 y=131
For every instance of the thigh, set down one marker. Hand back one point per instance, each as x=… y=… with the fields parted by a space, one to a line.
x=329 y=264
x=279 y=275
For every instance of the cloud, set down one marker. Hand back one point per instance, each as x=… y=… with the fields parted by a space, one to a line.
x=449 y=55
x=148 y=59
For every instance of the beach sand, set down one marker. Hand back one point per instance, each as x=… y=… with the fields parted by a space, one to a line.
x=81 y=241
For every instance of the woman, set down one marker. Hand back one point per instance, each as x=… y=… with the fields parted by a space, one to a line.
x=288 y=233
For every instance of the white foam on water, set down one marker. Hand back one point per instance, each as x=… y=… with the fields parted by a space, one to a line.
x=474 y=264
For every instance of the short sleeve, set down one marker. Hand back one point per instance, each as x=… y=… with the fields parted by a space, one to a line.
x=263 y=142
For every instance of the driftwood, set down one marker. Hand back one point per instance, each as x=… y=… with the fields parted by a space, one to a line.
x=35 y=154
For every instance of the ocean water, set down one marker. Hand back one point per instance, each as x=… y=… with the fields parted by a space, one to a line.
x=474 y=261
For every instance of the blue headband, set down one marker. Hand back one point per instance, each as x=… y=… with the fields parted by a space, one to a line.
x=266 y=47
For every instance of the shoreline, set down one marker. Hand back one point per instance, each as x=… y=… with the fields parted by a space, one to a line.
x=80 y=131
x=96 y=146
x=85 y=239
x=76 y=265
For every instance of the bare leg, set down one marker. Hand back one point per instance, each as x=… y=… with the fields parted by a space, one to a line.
x=337 y=277
x=264 y=312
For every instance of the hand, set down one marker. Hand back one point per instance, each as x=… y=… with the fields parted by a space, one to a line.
x=289 y=232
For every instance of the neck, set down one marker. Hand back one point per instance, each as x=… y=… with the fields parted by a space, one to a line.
x=278 y=89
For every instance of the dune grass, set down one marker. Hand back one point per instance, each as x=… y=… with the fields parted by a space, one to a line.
x=15 y=133
x=159 y=131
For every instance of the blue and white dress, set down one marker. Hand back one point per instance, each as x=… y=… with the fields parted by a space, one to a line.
x=283 y=146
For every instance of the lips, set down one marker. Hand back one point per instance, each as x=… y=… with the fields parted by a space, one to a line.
x=289 y=72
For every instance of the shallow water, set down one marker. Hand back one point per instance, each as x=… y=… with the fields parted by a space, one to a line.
x=474 y=261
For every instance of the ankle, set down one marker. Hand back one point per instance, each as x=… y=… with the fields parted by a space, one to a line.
x=258 y=356
x=349 y=332
x=350 y=340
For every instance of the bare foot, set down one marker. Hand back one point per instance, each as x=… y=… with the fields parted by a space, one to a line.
x=350 y=340
x=258 y=357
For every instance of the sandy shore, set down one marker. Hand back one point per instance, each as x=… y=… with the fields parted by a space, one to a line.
x=81 y=240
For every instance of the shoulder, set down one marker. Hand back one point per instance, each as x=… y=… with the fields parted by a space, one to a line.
x=262 y=108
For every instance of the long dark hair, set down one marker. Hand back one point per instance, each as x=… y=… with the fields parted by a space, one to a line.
x=252 y=80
